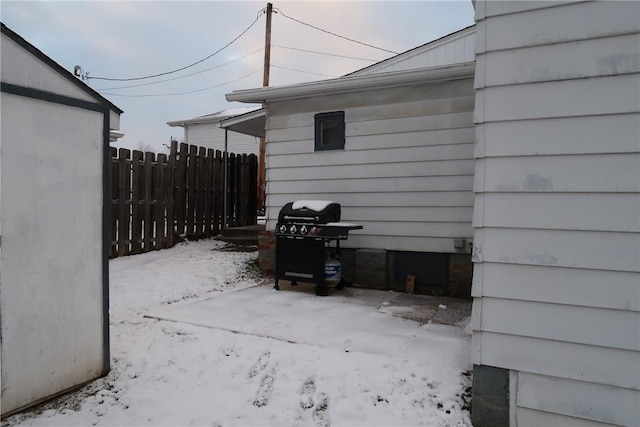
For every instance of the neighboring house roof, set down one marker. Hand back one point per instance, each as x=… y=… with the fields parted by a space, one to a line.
x=354 y=84
x=213 y=118
x=454 y=48
x=57 y=67
x=447 y=58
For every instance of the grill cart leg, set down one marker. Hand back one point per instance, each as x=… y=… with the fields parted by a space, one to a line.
x=338 y=257
x=322 y=290
x=276 y=286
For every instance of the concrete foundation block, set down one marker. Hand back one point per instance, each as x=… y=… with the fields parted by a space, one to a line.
x=267 y=252
x=490 y=405
x=371 y=268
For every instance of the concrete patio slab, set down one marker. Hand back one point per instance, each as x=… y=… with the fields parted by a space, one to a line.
x=350 y=319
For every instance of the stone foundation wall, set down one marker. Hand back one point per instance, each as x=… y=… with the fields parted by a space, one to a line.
x=378 y=269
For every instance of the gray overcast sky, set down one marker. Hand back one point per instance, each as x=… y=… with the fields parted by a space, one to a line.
x=138 y=38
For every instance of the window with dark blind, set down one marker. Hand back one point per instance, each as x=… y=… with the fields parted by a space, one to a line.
x=329 y=131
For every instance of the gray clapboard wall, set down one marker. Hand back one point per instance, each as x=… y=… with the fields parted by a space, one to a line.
x=406 y=172
x=557 y=208
x=209 y=135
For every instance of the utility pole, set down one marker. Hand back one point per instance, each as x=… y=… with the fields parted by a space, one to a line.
x=267 y=47
x=265 y=82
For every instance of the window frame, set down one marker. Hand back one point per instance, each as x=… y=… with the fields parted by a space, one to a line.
x=319 y=119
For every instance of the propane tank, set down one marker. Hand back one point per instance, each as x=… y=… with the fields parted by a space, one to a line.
x=332 y=272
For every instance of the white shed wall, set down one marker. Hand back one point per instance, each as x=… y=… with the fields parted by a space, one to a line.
x=557 y=208
x=209 y=135
x=406 y=172
x=51 y=214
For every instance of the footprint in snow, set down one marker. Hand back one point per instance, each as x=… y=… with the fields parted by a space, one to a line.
x=321 y=412
x=260 y=364
x=307 y=392
x=265 y=388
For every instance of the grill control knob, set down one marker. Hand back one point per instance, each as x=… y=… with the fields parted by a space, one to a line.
x=303 y=229
x=283 y=228
x=314 y=231
x=293 y=229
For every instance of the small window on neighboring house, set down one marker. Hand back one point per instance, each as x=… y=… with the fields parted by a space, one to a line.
x=329 y=131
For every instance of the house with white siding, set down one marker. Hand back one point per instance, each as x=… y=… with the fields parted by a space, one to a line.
x=54 y=218
x=556 y=196
x=204 y=131
x=556 y=284
x=393 y=144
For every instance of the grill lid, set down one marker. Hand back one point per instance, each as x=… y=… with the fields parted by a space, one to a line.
x=310 y=211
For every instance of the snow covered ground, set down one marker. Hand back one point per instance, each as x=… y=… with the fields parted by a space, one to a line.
x=227 y=353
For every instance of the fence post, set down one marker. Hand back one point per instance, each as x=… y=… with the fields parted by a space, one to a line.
x=136 y=220
x=208 y=173
x=181 y=190
x=218 y=195
x=200 y=177
x=124 y=202
x=191 y=190
x=149 y=158
x=161 y=201
x=171 y=193
x=113 y=221
x=253 y=179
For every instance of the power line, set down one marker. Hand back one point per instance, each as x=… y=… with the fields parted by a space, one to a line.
x=302 y=71
x=333 y=34
x=185 y=67
x=186 y=75
x=184 y=93
x=325 y=53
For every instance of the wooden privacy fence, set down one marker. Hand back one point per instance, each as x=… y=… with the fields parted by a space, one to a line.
x=157 y=201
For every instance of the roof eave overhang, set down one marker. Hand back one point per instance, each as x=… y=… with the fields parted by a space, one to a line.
x=252 y=124
x=195 y=121
x=354 y=84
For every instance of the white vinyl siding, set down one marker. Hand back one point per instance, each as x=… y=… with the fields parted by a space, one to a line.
x=209 y=135
x=556 y=282
x=406 y=172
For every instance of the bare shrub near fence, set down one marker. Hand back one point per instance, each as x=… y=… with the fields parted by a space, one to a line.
x=157 y=201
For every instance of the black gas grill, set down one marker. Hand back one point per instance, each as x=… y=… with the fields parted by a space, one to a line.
x=304 y=233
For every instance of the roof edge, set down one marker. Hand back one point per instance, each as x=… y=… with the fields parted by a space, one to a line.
x=198 y=120
x=57 y=67
x=229 y=121
x=354 y=83
x=413 y=51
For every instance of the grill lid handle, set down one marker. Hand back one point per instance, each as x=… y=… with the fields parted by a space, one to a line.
x=301 y=218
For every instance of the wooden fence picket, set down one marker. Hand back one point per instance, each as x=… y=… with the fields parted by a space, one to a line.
x=136 y=218
x=113 y=220
x=124 y=203
x=180 y=193
x=171 y=194
x=149 y=158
